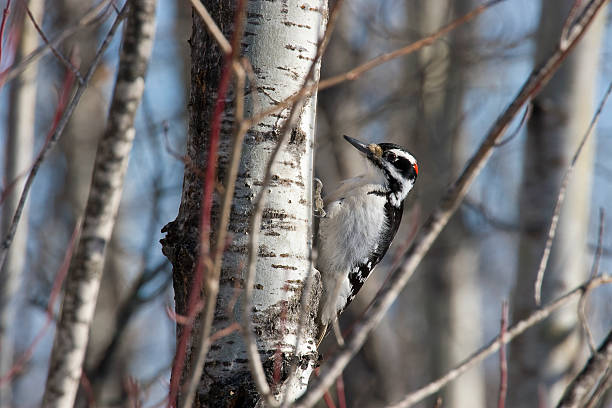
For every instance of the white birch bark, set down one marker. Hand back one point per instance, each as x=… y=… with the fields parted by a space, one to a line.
x=280 y=41
x=20 y=141
x=83 y=280
x=542 y=361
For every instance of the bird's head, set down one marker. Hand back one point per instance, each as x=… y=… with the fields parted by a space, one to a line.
x=398 y=167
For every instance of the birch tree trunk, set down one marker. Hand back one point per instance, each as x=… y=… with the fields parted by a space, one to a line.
x=543 y=360
x=280 y=41
x=20 y=141
x=84 y=275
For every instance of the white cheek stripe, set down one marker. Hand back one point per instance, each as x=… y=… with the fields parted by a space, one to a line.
x=406 y=186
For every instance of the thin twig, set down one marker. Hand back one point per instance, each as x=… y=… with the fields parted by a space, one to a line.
x=85 y=272
x=526 y=115
x=439 y=218
x=569 y=22
x=204 y=260
x=599 y=251
x=93 y=16
x=204 y=339
x=255 y=363
x=340 y=392
x=212 y=27
x=481 y=209
x=5 y=14
x=56 y=134
x=605 y=384
x=55 y=291
x=584 y=322
x=494 y=345
x=312 y=258
x=503 y=361
x=557 y=210
x=54 y=50
x=356 y=72
x=598 y=366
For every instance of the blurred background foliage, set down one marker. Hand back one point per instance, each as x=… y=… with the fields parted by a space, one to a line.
x=439 y=102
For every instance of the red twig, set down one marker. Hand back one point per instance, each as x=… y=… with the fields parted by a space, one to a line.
x=55 y=290
x=329 y=401
x=132 y=389
x=64 y=97
x=340 y=392
x=68 y=63
x=5 y=14
x=209 y=184
x=225 y=332
x=89 y=392
x=503 y=362
x=181 y=319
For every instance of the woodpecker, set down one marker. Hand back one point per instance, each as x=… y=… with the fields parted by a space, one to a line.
x=360 y=220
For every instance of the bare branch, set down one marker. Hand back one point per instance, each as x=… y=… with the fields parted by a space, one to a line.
x=583 y=299
x=55 y=291
x=212 y=27
x=494 y=345
x=447 y=206
x=503 y=361
x=93 y=16
x=591 y=375
x=204 y=260
x=599 y=251
x=584 y=321
x=570 y=19
x=204 y=339
x=556 y=212
x=526 y=116
x=355 y=73
x=488 y=217
x=55 y=135
x=601 y=389
x=363 y=68
x=5 y=14
x=55 y=52
x=255 y=222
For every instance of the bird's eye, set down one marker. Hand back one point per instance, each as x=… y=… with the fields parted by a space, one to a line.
x=391 y=156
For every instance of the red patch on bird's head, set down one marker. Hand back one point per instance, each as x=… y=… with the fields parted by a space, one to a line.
x=416 y=168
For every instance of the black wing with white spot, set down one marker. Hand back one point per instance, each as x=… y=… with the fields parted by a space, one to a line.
x=361 y=271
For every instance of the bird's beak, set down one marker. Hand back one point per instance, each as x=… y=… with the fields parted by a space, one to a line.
x=372 y=150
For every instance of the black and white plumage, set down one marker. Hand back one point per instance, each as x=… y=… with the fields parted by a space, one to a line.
x=361 y=219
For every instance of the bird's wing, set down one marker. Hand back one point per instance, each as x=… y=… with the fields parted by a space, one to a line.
x=346 y=186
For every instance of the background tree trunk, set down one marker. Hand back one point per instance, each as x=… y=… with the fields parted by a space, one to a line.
x=18 y=155
x=544 y=359
x=85 y=272
x=450 y=272
x=280 y=41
